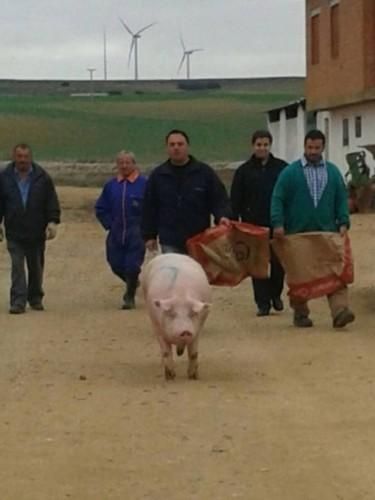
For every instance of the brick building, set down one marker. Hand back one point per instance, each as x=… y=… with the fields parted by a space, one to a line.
x=340 y=82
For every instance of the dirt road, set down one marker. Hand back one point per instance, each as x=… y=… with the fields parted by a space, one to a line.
x=278 y=414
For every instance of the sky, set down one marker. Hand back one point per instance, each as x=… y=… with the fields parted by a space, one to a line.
x=60 y=39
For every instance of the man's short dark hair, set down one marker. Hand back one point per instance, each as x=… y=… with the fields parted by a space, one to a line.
x=315 y=135
x=177 y=131
x=21 y=145
x=261 y=134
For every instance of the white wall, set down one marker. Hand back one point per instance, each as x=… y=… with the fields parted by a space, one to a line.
x=336 y=151
x=274 y=128
x=288 y=136
x=292 y=146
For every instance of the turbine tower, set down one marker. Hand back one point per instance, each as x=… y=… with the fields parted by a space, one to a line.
x=105 y=52
x=134 y=45
x=186 y=56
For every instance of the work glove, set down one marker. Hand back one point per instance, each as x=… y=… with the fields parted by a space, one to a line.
x=51 y=230
x=1 y=233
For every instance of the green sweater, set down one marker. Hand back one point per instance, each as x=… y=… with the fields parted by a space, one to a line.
x=293 y=208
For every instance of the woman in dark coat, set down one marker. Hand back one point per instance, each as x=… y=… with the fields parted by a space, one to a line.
x=119 y=210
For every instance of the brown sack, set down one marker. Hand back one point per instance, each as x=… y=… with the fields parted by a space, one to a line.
x=228 y=254
x=316 y=264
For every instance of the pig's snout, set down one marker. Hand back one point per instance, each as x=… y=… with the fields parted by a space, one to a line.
x=186 y=335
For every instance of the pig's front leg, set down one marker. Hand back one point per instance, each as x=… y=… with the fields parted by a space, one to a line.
x=167 y=358
x=193 y=359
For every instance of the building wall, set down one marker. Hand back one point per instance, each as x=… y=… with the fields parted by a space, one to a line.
x=288 y=135
x=274 y=128
x=369 y=32
x=350 y=77
x=335 y=150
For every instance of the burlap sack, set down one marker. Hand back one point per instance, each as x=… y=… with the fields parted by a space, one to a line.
x=316 y=264
x=230 y=254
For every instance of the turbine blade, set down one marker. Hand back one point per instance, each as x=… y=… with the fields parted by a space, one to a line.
x=145 y=28
x=196 y=50
x=126 y=27
x=131 y=50
x=182 y=43
x=181 y=62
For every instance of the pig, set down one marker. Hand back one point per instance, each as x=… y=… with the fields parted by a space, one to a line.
x=178 y=299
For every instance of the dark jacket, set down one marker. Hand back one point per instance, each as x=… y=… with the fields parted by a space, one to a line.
x=28 y=224
x=119 y=210
x=180 y=200
x=252 y=188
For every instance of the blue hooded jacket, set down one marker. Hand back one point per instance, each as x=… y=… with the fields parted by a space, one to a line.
x=119 y=210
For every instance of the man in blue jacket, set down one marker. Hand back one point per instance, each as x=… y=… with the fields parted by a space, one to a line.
x=181 y=195
x=31 y=212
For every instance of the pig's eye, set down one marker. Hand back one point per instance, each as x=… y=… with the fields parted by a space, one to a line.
x=171 y=314
x=192 y=314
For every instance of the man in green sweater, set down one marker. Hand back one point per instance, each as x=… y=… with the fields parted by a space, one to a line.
x=310 y=195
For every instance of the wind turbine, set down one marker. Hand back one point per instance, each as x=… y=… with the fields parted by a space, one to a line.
x=134 y=45
x=186 y=55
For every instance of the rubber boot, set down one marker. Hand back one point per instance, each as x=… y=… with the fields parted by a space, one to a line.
x=131 y=288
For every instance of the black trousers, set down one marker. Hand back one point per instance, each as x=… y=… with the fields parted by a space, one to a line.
x=270 y=288
x=26 y=289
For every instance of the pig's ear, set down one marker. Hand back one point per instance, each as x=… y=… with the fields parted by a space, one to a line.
x=165 y=305
x=198 y=306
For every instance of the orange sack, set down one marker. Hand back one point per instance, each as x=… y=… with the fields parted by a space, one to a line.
x=229 y=254
x=316 y=264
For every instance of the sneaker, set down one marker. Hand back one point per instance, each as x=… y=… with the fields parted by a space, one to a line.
x=16 y=309
x=263 y=311
x=38 y=306
x=302 y=321
x=278 y=304
x=343 y=318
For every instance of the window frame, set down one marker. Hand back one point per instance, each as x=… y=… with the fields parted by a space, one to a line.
x=315 y=38
x=334 y=19
x=345 y=132
x=358 y=126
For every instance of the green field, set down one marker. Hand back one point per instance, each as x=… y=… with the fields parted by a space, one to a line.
x=67 y=128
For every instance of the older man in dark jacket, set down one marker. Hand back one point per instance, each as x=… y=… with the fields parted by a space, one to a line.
x=181 y=195
x=251 y=195
x=31 y=211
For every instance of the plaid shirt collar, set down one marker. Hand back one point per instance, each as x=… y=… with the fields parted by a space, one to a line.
x=305 y=163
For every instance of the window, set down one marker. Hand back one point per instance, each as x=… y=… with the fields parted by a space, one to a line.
x=345 y=132
x=335 y=31
x=315 y=45
x=358 y=126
